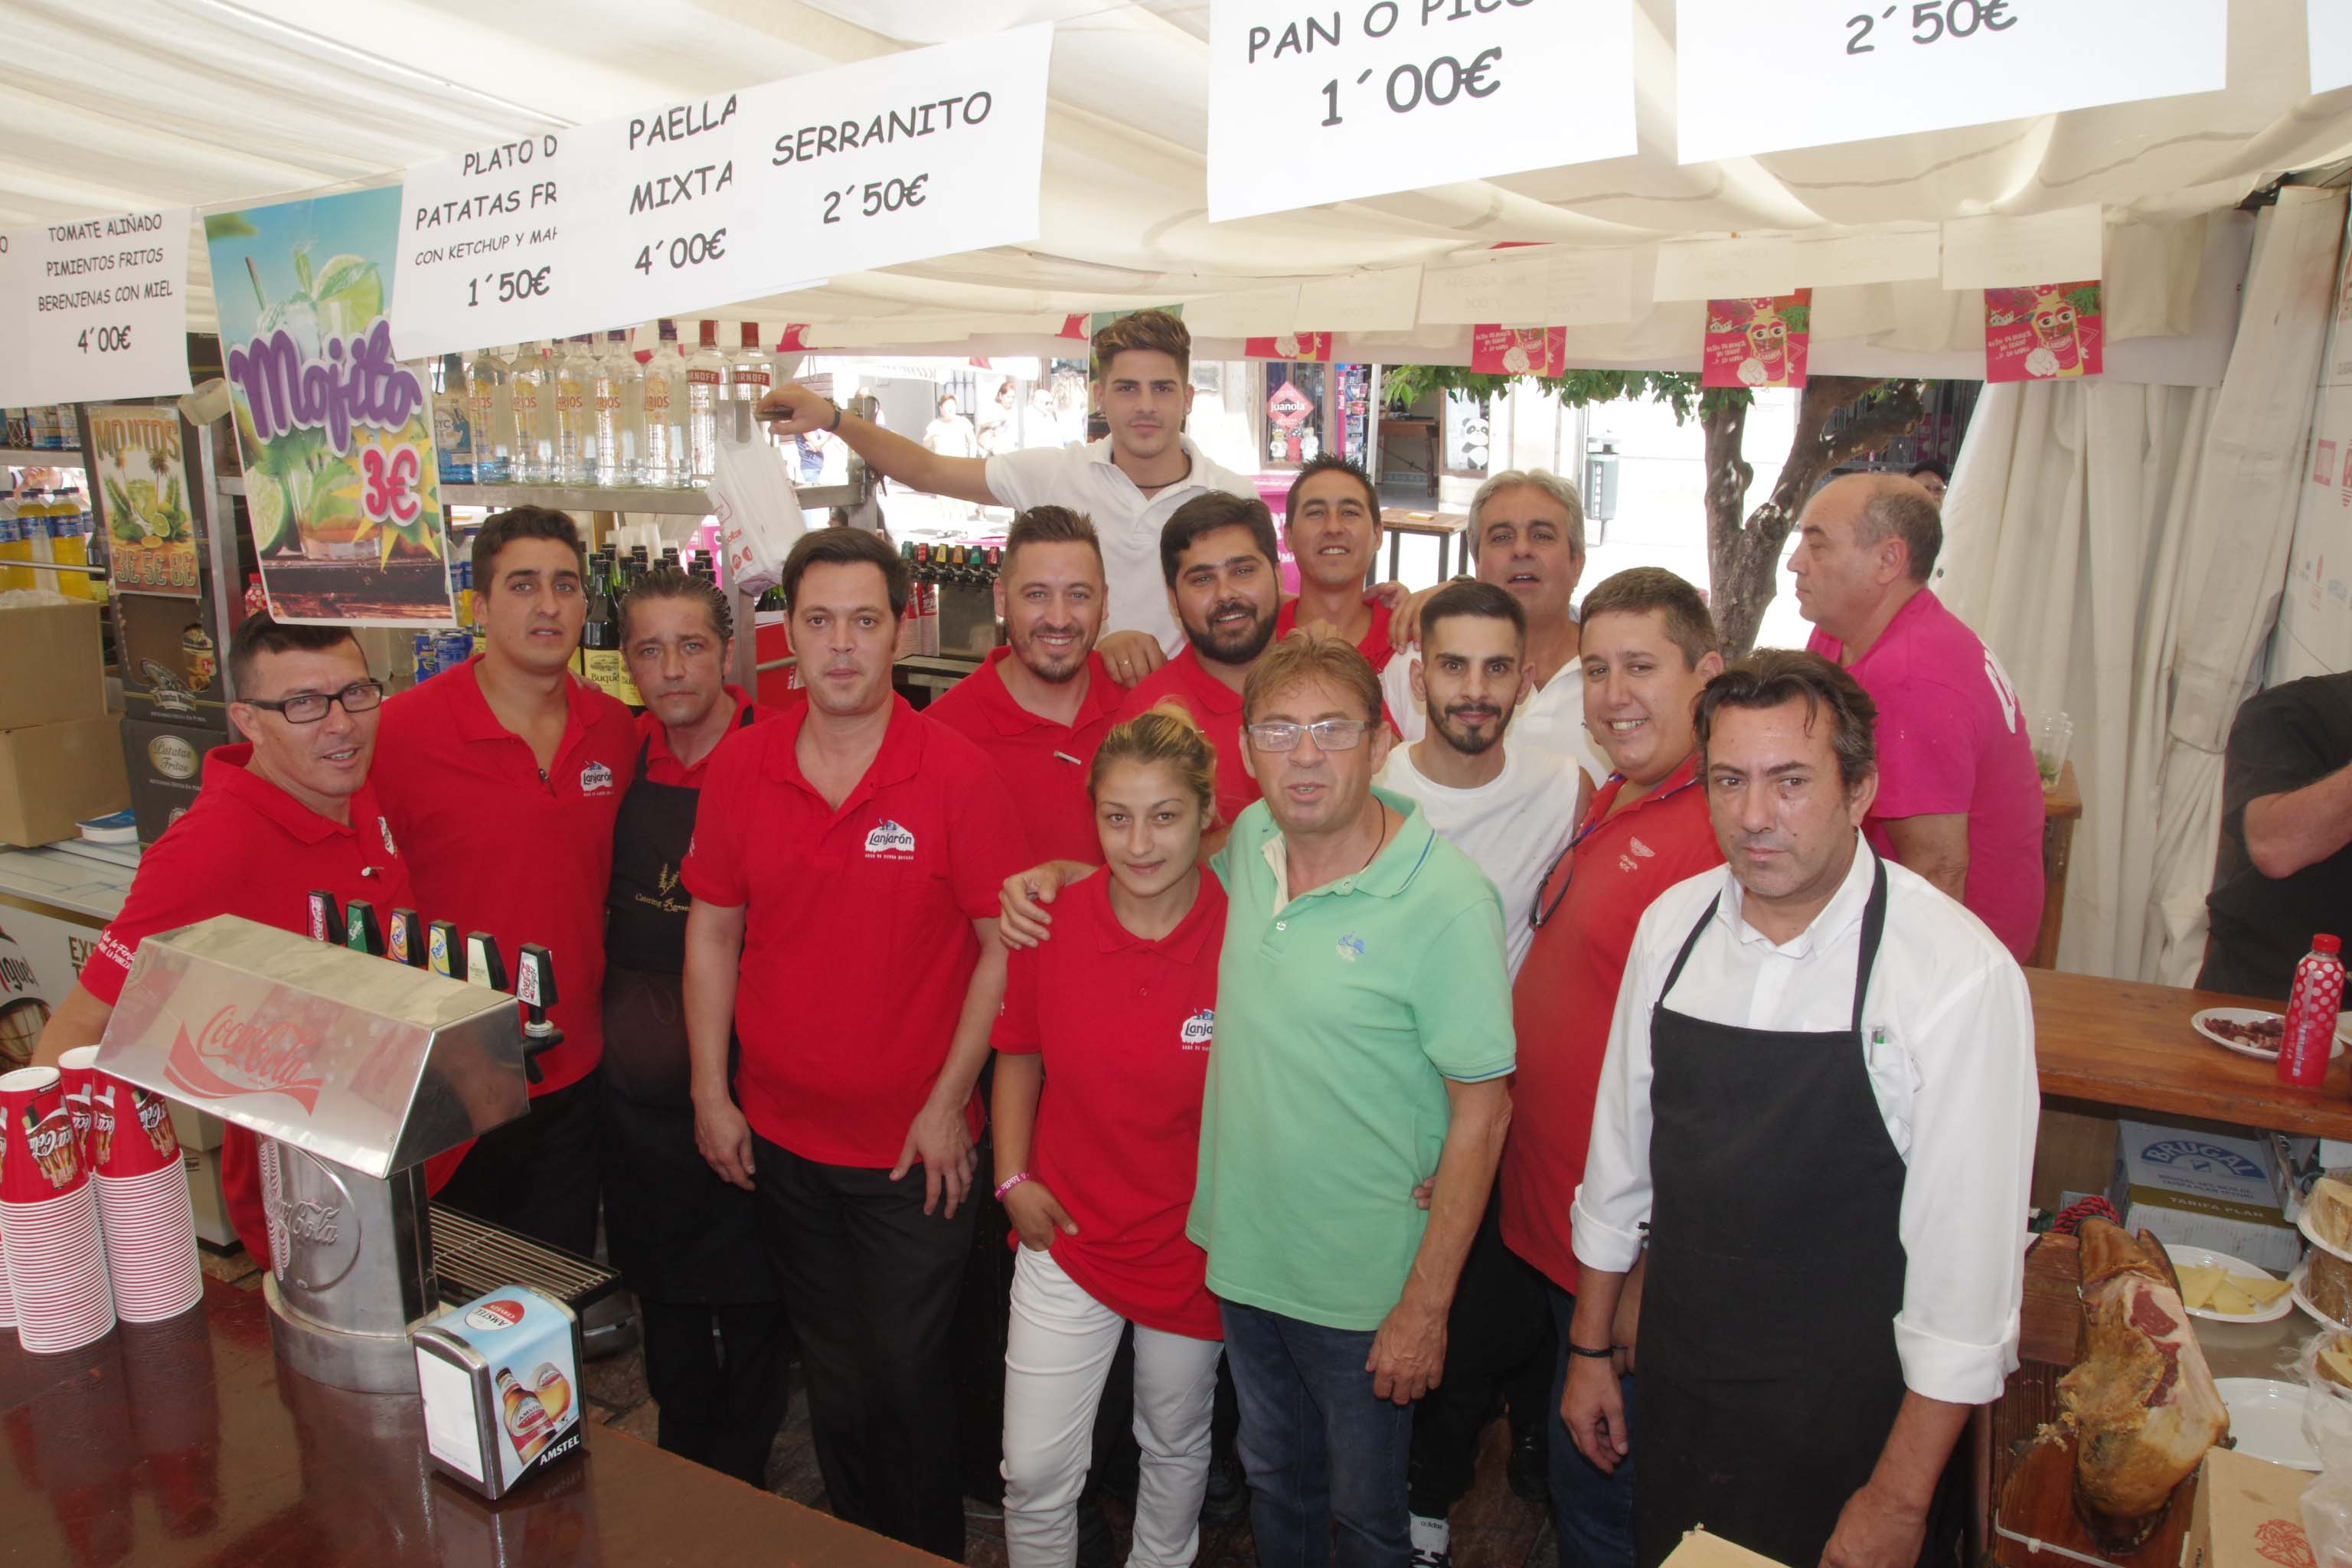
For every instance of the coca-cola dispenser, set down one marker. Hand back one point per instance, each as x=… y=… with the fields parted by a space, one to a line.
x=353 y=1071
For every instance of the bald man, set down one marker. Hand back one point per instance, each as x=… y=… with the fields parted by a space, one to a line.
x=1959 y=798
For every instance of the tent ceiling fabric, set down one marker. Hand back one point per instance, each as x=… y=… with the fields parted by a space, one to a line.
x=205 y=103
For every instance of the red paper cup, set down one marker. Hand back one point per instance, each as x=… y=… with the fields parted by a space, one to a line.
x=131 y=1130
x=151 y=1244
x=57 y=1267
x=39 y=1158
x=78 y=1069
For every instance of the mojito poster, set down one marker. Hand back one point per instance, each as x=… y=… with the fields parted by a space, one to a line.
x=339 y=478
x=2045 y=331
x=1758 y=342
x=140 y=479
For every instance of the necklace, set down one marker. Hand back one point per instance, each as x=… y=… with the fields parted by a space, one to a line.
x=1378 y=845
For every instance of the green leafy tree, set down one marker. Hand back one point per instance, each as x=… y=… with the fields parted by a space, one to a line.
x=1743 y=546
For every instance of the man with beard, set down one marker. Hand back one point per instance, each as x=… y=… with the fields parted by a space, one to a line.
x=1042 y=704
x=1510 y=810
x=1218 y=555
x=1332 y=522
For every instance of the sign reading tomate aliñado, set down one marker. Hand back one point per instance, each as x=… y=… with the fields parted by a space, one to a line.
x=340 y=484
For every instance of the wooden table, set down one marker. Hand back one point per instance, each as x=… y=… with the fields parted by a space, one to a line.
x=2122 y=1044
x=184 y=1442
x=1444 y=526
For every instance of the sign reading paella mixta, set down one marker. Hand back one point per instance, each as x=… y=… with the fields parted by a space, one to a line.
x=337 y=436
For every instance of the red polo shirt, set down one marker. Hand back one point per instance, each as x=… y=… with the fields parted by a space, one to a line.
x=857 y=942
x=1045 y=763
x=1124 y=1026
x=662 y=766
x=1566 y=995
x=1217 y=708
x=246 y=848
x=1374 y=646
x=501 y=847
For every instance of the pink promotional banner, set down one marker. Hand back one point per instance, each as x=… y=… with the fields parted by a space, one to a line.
x=1518 y=350
x=1313 y=346
x=1758 y=342
x=2044 y=331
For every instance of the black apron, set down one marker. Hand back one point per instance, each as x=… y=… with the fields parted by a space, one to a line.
x=674 y=1231
x=1768 y=1380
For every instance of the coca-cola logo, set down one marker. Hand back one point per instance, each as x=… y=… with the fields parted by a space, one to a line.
x=232 y=1056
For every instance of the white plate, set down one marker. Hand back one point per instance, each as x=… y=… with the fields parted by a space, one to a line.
x=2302 y=1224
x=2206 y=1257
x=2266 y=1420
x=2253 y=1016
x=2305 y=1302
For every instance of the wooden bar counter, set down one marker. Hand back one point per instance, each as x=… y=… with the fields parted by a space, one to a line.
x=2126 y=1046
x=184 y=1442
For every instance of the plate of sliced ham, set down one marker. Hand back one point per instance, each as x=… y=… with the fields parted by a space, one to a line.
x=2251 y=1032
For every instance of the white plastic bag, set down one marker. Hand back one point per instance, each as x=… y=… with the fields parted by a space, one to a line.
x=758 y=515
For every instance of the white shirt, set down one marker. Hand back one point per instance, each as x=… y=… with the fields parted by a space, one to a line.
x=1128 y=521
x=1949 y=1035
x=1511 y=827
x=1549 y=718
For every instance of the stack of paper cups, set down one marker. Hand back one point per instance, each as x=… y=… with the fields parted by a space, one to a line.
x=49 y=1218
x=143 y=1200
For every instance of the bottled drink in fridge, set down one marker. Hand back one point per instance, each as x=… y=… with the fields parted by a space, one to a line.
x=492 y=418
x=663 y=462
x=531 y=397
x=576 y=412
x=705 y=378
x=2309 y=1039
x=620 y=415
x=452 y=427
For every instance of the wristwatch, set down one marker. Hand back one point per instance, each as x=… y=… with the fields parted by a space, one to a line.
x=834 y=427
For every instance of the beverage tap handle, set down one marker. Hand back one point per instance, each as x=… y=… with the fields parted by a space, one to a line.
x=404 y=938
x=361 y=932
x=535 y=989
x=483 y=965
x=326 y=923
x=445 y=955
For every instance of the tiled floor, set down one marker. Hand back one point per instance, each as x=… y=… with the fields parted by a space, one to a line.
x=1491 y=1528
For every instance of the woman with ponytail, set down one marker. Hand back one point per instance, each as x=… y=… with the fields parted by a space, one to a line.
x=1119 y=1012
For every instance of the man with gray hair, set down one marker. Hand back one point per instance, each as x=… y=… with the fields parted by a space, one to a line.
x=1959 y=798
x=1526 y=536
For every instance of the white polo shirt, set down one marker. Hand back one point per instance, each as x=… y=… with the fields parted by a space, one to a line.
x=1128 y=521
x=1551 y=717
x=1512 y=827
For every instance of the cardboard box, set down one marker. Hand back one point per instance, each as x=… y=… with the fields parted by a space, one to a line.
x=1698 y=1549
x=53 y=775
x=60 y=646
x=2248 y=1514
x=2204 y=1189
x=166 y=766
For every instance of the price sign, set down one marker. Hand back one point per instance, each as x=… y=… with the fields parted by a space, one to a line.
x=95 y=308
x=1807 y=73
x=1312 y=103
x=480 y=259
x=664 y=229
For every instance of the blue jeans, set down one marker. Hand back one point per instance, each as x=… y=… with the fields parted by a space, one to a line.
x=1595 y=1511
x=1318 y=1445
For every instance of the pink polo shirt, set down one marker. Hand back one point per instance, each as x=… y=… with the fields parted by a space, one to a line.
x=1952 y=738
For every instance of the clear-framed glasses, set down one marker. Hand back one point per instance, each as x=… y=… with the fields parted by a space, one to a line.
x=1330 y=734
x=310 y=706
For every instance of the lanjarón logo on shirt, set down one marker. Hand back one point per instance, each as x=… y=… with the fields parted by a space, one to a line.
x=595 y=779
x=889 y=840
x=1199 y=1029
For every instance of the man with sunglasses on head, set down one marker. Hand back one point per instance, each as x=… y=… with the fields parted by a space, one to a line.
x=289 y=812
x=1649 y=648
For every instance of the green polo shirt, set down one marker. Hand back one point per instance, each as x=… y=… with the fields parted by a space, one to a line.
x=1341 y=1014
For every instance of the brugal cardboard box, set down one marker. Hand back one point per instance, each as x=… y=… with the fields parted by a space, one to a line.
x=54 y=775
x=2248 y=1514
x=1698 y=1549
x=2204 y=1189
x=57 y=645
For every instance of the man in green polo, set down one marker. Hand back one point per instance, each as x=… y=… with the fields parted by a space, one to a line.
x=1363 y=1044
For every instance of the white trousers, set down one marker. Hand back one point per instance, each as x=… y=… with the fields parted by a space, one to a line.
x=1058 y=1359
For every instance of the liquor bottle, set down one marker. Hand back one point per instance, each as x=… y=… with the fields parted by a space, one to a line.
x=452 y=428
x=752 y=371
x=525 y=1419
x=532 y=400
x=576 y=412
x=492 y=417
x=620 y=413
x=664 y=401
x=2311 y=1007
x=706 y=375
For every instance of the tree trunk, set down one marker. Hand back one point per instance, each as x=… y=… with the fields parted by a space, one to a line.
x=1744 y=553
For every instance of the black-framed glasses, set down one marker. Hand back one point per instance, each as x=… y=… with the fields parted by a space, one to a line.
x=1330 y=734
x=310 y=706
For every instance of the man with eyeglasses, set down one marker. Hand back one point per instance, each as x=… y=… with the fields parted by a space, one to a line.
x=503 y=777
x=1362 y=1049
x=288 y=812
x=1649 y=648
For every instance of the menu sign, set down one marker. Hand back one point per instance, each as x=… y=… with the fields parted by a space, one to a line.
x=140 y=480
x=94 y=308
x=687 y=206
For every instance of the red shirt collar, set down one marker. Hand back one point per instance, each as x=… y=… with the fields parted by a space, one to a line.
x=900 y=754
x=1375 y=639
x=1184 y=944
x=229 y=769
x=1004 y=711
x=1682 y=777
x=475 y=721
x=1214 y=695
x=656 y=734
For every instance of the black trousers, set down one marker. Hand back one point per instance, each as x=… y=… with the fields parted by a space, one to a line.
x=870 y=1284
x=719 y=1375
x=537 y=1174
x=1499 y=1346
